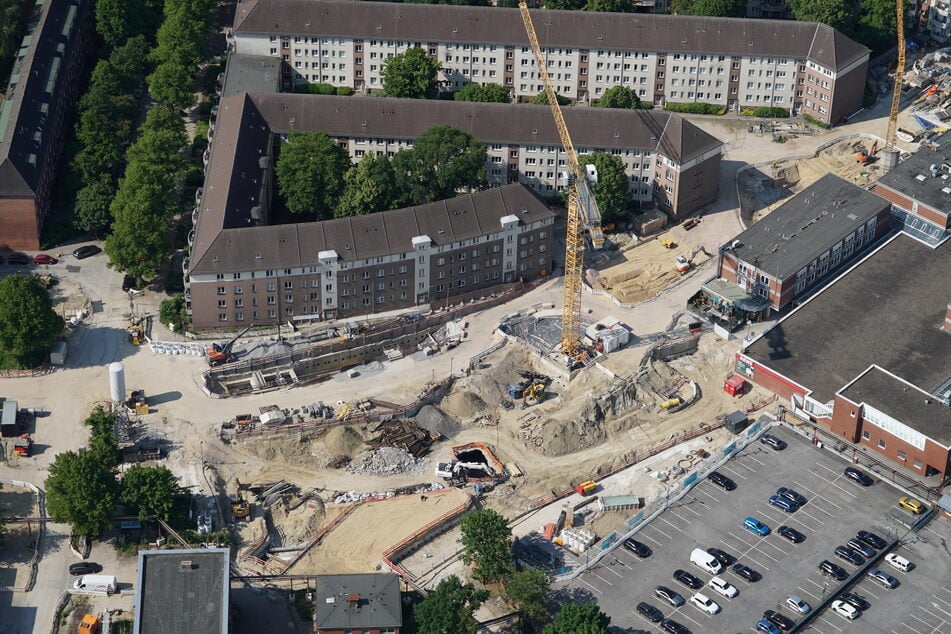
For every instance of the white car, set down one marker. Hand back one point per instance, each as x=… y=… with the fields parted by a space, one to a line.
x=797 y=605
x=846 y=610
x=898 y=562
x=705 y=603
x=724 y=587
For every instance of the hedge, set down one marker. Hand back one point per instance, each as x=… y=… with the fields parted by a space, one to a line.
x=696 y=107
x=770 y=112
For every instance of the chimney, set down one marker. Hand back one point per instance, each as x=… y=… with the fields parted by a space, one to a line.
x=947 y=320
x=353 y=601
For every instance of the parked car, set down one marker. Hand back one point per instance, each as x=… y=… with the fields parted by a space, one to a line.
x=781 y=621
x=725 y=558
x=688 y=579
x=18 y=259
x=672 y=626
x=847 y=554
x=670 y=596
x=723 y=587
x=911 y=504
x=747 y=573
x=871 y=539
x=766 y=627
x=86 y=251
x=860 y=547
x=776 y=443
x=830 y=569
x=858 y=476
x=856 y=600
x=641 y=550
x=791 y=534
x=705 y=603
x=846 y=610
x=793 y=496
x=882 y=578
x=721 y=481
x=84 y=568
x=755 y=526
x=42 y=258
x=796 y=604
x=783 y=504
x=649 y=612
x=898 y=562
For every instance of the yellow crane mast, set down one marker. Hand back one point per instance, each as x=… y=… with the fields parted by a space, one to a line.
x=583 y=212
x=899 y=77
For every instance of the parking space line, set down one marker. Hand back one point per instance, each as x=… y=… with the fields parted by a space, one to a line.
x=947 y=603
x=682 y=613
x=701 y=490
x=686 y=507
x=739 y=475
x=595 y=588
x=649 y=538
x=936 y=607
x=918 y=618
x=676 y=528
x=812 y=517
x=753 y=458
x=739 y=539
x=826 y=621
x=870 y=593
x=591 y=571
x=679 y=518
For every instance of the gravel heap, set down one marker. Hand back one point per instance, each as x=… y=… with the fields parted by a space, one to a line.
x=386 y=461
x=432 y=419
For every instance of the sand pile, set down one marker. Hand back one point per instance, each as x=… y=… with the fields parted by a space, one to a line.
x=342 y=441
x=476 y=395
x=435 y=421
x=297 y=526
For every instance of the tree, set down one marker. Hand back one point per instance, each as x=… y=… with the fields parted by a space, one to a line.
x=528 y=591
x=449 y=609
x=28 y=323
x=119 y=20
x=612 y=6
x=149 y=491
x=80 y=492
x=565 y=5
x=619 y=97
x=310 y=170
x=443 y=160
x=489 y=93
x=92 y=205
x=613 y=191
x=486 y=543
x=171 y=83
x=411 y=74
x=877 y=24
x=541 y=99
x=579 y=618
x=839 y=14
x=139 y=242
x=710 y=8
x=369 y=186
x=103 y=444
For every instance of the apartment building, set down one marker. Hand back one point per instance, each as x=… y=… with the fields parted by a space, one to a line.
x=804 y=67
x=37 y=105
x=939 y=21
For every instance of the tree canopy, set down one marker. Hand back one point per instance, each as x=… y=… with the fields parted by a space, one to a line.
x=449 y=609
x=613 y=191
x=541 y=99
x=579 y=618
x=839 y=14
x=310 y=171
x=619 y=97
x=28 y=323
x=149 y=491
x=489 y=93
x=411 y=74
x=80 y=492
x=487 y=543
x=118 y=20
x=528 y=591
x=103 y=444
x=369 y=186
x=710 y=8
x=442 y=160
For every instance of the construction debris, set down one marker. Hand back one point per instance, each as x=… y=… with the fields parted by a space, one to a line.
x=386 y=461
x=402 y=434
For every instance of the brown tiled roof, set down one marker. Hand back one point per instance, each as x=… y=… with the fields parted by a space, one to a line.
x=576 y=29
x=591 y=128
x=370 y=236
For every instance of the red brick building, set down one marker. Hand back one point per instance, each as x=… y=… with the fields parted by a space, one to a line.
x=366 y=603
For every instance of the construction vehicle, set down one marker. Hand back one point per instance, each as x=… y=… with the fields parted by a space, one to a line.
x=457 y=470
x=89 y=624
x=218 y=354
x=23 y=446
x=682 y=265
x=137 y=403
x=583 y=213
x=667 y=243
x=586 y=488
x=240 y=508
x=135 y=330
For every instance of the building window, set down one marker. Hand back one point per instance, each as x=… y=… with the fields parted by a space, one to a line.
x=222 y=316
x=221 y=290
x=901 y=454
x=881 y=443
x=866 y=435
x=917 y=464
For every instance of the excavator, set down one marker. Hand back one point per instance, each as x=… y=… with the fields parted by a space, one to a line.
x=218 y=354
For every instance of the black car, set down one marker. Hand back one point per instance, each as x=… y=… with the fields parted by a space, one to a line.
x=859 y=476
x=649 y=612
x=84 y=568
x=128 y=283
x=791 y=534
x=18 y=259
x=860 y=547
x=773 y=441
x=859 y=603
x=871 y=539
x=747 y=573
x=672 y=626
x=688 y=579
x=781 y=621
x=725 y=558
x=86 y=251
x=668 y=595
x=636 y=547
x=722 y=481
x=793 y=496
x=830 y=569
x=847 y=554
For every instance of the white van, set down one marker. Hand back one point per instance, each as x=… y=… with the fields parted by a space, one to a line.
x=898 y=562
x=705 y=561
x=96 y=583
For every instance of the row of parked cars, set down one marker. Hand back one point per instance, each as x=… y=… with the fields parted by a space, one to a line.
x=22 y=259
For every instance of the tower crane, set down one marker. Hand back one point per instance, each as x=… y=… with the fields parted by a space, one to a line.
x=899 y=77
x=583 y=212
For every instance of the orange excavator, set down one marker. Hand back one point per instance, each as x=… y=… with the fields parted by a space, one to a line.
x=218 y=354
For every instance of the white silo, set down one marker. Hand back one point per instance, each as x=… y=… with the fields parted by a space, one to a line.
x=117 y=382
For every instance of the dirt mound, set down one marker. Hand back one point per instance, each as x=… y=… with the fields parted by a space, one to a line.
x=466 y=403
x=296 y=526
x=435 y=421
x=476 y=395
x=343 y=441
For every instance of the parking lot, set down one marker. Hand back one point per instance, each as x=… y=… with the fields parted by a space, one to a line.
x=709 y=516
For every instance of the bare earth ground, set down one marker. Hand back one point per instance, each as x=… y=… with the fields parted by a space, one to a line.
x=16 y=547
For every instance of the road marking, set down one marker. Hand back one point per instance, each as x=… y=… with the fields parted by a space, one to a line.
x=715 y=499
x=739 y=475
x=649 y=538
x=661 y=518
x=686 y=507
x=812 y=517
x=938 y=608
x=918 y=618
x=591 y=571
x=680 y=517
x=947 y=603
x=595 y=588
x=753 y=458
x=609 y=569
x=826 y=621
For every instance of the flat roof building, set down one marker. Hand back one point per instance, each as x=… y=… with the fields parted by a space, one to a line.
x=920 y=188
x=358 y=603
x=182 y=591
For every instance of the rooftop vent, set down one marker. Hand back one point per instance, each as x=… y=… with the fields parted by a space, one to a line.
x=186 y=564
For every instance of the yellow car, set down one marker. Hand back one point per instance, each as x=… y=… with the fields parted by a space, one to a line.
x=911 y=504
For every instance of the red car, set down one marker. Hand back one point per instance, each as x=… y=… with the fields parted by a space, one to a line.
x=42 y=258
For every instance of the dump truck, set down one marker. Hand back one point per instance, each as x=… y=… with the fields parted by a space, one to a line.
x=23 y=446
x=89 y=624
x=141 y=454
